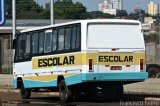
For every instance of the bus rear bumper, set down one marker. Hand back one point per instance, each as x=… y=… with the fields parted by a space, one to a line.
x=128 y=76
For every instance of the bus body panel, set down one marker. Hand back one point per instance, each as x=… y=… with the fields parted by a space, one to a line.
x=46 y=76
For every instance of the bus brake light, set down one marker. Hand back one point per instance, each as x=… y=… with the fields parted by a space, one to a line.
x=90 y=64
x=141 y=64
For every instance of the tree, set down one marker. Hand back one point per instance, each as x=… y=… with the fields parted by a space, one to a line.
x=121 y=13
x=24 y=9
x=99 y=14
x=66 y=9
x=45 y=14
x=134 y=16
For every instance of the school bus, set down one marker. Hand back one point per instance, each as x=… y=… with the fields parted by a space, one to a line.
x=94 y=58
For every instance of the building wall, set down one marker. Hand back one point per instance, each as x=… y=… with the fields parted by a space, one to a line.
x=5 y=53
x=148 y=19
x=152 y=53
x=110 y=11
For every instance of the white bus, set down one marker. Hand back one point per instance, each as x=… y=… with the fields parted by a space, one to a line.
x=94 y=58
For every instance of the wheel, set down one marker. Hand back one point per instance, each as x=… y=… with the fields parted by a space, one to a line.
x=64 y=92
x=153 y=72
x=120 y=92
x=25 y=93
x=75 y=93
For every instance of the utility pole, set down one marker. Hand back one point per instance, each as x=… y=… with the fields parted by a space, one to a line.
x=13 y=31
x=52 y=12
x=13 y=19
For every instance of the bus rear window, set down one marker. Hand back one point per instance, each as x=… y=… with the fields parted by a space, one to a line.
x=115 y=36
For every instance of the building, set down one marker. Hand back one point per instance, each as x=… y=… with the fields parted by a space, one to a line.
x=148 y=20
x=152 y=8
x=107 y=7
x=111 y=6
x=117 y=4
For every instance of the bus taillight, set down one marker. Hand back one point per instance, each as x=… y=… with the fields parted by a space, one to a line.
x=141 y=64
x=90 y=65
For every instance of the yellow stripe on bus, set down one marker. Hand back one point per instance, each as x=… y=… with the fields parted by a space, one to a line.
x=47 y=78
x=82 y=59
x=120 y=58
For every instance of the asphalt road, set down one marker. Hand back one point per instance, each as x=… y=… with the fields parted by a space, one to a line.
x=13 y=99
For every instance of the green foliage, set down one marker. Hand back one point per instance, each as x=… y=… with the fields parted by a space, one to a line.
x=156 y=16
x=99 y=14
x=64 y=9
x=24 y=9
x=45 y=14
x=121 y=13
x=151 y=38
x=134 y=16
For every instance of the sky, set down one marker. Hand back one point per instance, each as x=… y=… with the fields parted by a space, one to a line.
x=92 y=5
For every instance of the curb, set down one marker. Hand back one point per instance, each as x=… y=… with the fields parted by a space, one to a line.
x=152 y=99
x=48 y=93
x=9 y=90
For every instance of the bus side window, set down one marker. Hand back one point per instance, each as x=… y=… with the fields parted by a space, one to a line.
x=61 y=39
x=16 y=49
x=27 y=46
x=22 y=46
x=41 y=42
x=78 y=37
x=17 y=52
x=74 y=37
x=54 y=47
x=35 y=43
x=68 y=38
x=48 y=41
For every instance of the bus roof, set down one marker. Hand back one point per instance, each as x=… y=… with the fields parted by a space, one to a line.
x=85 y=21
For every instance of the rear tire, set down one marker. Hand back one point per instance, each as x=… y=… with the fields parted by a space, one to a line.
x=153 y=71
x=24 y=92
x=64 y=92
x=75 y=94
x=120 y=92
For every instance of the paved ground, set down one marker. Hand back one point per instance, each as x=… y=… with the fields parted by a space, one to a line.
x=146 y=93
x=151 y=86
x=13 y=99
x=6 y=80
